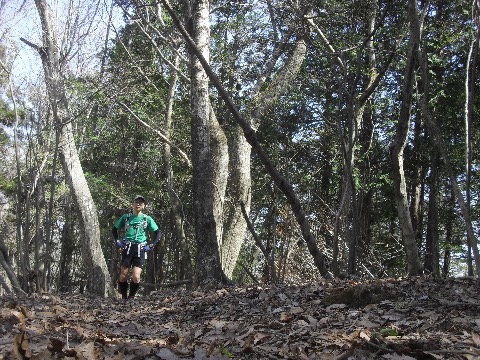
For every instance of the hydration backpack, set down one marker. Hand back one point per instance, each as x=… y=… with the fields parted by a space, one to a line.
x=127 y=221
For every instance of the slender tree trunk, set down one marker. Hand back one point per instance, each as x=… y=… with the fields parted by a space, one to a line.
x=470 y=72
x=240 y=193
x=49 y=214
x=365 y=195
x=449 y=232
x=415 y=167
x=432 y=255
x=176 y=205
x=6 y=264
x=64 y=279
x=94 y=260
x=398 y=146
x=39 y=234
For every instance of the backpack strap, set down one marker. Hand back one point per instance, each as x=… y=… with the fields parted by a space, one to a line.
x=144 y=221
x=127 y=222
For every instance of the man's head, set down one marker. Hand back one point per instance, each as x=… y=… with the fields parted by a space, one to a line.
x=138 y=204
x=139 y=198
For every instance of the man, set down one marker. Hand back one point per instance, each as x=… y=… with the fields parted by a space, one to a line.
x=134 y=244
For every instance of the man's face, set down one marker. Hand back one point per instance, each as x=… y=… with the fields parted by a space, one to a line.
x=138 y=205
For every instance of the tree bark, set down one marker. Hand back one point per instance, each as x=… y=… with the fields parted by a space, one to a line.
x=22 y=240
x=67 y=249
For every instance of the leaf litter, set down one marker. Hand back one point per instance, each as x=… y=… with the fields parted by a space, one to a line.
x=396 y=319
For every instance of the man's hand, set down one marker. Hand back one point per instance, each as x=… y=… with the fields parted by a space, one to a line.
x=120 y=244
x=148 y=247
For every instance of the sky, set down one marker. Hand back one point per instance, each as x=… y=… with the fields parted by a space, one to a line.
x=19 y=19
x=16 y=22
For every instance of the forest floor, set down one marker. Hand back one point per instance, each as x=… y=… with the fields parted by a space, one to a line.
x=418 y=318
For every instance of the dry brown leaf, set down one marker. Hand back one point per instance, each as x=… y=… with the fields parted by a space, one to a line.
x=295 y=310
x=476 y=339
x=217 y=324
x=21 y=347
x=260 y=338
x=285 y=317
x=12 y=319
x=86 y=351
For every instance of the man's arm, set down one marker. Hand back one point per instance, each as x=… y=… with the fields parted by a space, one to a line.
x=115 y=233
x=156 y=238
x=120 y=243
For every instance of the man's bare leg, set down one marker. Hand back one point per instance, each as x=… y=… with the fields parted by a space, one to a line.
x=135 y=284
x=122 y=281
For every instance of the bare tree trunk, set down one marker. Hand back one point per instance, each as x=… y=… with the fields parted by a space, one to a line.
x=49 y=214
x=92 y=253
x=448 y=231
x=39 y=234
x=64 y=279
x=207 y=158
x=432 y=255
x=240 y=193
x=469 y=98
x=398 y=146
x=416 y=167
x=175 y=203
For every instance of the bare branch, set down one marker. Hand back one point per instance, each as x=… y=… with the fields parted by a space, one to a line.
x=159 y=133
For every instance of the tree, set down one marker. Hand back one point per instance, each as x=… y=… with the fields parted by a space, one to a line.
x=22 y=242
x=54 y=65
x=209 y=157
x=398 y=146
x=281 y=182
x=302 y=100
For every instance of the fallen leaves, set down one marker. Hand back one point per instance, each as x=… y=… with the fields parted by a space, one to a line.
x=403 y=319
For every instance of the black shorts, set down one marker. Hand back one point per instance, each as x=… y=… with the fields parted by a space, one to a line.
x=133 y=255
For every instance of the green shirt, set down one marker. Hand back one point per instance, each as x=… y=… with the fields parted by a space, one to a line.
x=135 y=232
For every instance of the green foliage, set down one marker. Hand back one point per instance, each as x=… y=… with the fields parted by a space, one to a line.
x=7 y=115
x=7 y=185
x=304 y=133
x=226 y=352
